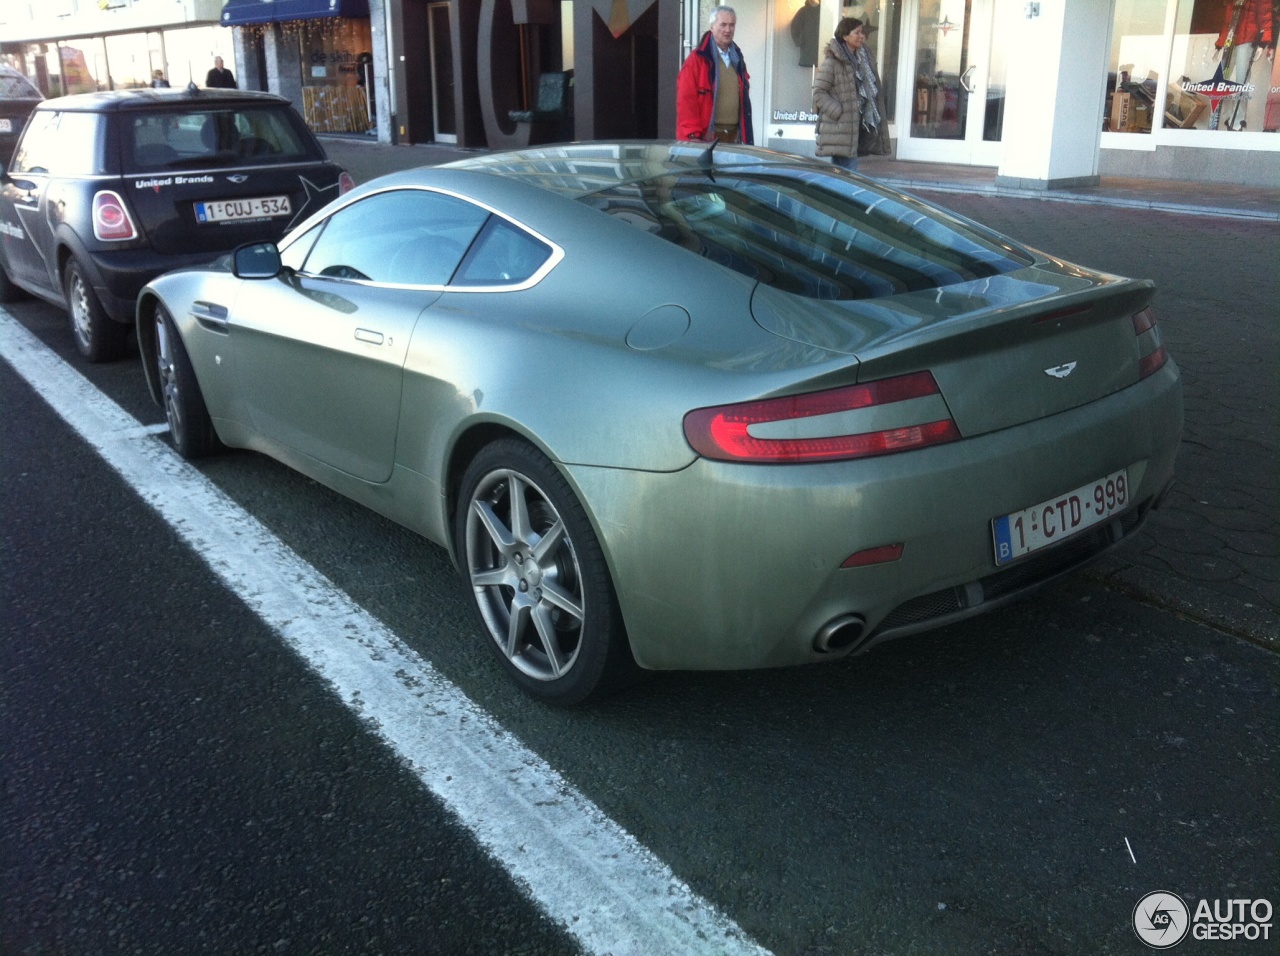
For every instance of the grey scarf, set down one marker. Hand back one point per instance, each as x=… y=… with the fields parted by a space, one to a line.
x=868 y=88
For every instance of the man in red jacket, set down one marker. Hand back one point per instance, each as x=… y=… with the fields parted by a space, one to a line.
x=713 y=90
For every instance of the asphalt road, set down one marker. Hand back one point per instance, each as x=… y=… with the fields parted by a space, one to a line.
x=176 y=780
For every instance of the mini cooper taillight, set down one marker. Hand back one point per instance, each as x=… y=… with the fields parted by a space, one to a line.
x=1144 y=324
x=724 y=432
x=111 y=219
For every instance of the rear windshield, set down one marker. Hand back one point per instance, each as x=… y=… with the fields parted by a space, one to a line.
x=202 y=138
x=810 y=233
x=15 y=86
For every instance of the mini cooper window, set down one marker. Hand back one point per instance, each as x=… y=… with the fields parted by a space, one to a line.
x=403 y=237
x=809 y=234
x=60 y=144
x=210 y=138
x=503 y=255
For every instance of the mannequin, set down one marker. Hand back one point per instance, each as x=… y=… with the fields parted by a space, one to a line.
x=804 y=32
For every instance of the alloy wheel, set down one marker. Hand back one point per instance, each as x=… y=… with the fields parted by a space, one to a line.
x=168 y=377
x=525 y=574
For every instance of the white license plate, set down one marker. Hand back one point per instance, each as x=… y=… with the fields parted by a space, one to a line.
x=229 y=210
x=1059 y=517
x=6 y=125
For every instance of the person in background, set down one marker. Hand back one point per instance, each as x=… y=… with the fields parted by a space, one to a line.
x=157 y=79
x=849 y=99
x=713 y=89
x=220 y=78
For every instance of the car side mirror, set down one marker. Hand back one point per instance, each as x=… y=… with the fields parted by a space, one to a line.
x=256 y=260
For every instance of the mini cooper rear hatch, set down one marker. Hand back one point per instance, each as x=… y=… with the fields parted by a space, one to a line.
x=106 y=191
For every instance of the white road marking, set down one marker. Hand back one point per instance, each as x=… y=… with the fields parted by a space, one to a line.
x=585 y=871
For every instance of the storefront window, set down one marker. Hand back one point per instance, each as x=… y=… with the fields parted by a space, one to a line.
x=84 y=65
x=802 y=30
x=129 y=60
x=801 y=35
x=1216 y=72
x=189 y=54
x=336 y=61
x=1224 y=63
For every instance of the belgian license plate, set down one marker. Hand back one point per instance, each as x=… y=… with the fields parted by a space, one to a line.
x=229 y=210
x=1059 y=517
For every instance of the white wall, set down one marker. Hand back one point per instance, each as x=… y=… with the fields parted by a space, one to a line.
x=1056 y=92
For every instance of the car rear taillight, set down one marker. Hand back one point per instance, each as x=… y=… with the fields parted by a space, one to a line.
x=111 y=219
x=345 y=183
x=723 y=432
x=1144 y=322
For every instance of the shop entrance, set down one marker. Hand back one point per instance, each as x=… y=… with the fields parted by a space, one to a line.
x=952 y=78
x=444 y=126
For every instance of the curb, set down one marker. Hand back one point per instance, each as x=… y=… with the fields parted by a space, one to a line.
x=1080 y=198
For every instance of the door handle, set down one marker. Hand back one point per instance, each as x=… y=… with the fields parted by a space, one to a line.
x=368 y=335
x=964 y=78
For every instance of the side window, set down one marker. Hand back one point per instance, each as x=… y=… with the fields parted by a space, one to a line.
x=404 y=237
x=65 y=144
x=39 y=144
x=79 y=152
x=296 y=254
x=503 y=255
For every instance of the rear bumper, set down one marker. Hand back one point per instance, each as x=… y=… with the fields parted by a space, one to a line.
x=736 y=566
x=117 y=277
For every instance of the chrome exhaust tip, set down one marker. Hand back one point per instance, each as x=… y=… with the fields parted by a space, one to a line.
x=840 y=634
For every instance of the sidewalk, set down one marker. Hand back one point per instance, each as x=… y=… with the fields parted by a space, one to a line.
x=372 y=158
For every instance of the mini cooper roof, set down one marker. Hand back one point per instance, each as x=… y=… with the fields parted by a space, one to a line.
x=116 y=101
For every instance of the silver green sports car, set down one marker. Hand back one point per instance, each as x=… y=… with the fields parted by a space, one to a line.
x=675 y=407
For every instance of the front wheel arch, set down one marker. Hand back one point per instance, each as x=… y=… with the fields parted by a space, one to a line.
x=145 y=327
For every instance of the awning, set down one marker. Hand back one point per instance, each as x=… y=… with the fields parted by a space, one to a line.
x=239 y=12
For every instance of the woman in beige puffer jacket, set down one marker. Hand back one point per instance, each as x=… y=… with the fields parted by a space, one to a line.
x=847 y=96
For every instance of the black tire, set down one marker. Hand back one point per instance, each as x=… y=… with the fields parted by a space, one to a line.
x=97 y=337
x=544 y=570
x=9 y=292
x=190 y=427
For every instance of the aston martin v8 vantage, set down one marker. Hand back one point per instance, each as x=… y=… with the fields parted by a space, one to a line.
x=678 y=408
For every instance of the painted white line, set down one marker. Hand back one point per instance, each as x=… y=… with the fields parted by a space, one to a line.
x=585 y=871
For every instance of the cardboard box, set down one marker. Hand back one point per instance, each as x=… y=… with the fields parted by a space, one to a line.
x=1121 y=112
x=1181 y=109
x=1130 y=113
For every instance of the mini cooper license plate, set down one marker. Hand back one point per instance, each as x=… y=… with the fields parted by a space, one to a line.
x=1059 y=517
x=230 y=210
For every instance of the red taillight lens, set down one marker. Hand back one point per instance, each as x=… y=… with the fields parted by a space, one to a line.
x=111 y=220
x=1153 y=361
x=869 y=556
x=345 y=183
x=1150 y=364
x=1143 y=321
x=723 y=432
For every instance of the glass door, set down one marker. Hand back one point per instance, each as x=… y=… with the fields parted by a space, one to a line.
x=444 y=124
x=953 y=74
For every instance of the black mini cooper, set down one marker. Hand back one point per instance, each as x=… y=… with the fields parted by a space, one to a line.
x=106 y=191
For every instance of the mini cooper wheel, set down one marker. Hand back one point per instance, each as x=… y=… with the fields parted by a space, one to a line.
x=538 y=577
x=98 y=338
x=189 y=425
